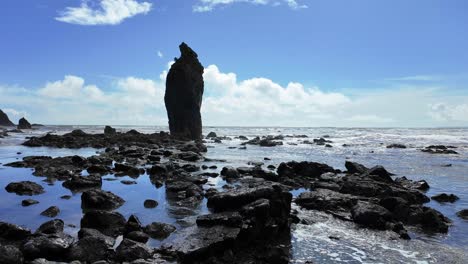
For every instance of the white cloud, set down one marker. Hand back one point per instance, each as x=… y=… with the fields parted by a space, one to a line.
x=107 y=12
x=160 y=54
x=229 y=101
x=444 y=112
x=210 y=5
x=416 y=78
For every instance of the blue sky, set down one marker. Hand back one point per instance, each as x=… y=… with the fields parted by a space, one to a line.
x=269 y=62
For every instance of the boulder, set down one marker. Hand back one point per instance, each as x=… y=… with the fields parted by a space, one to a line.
x=354 y=167
x=108 y=223
x=149 y=203
x=81 y=182
x=10 y=255
x=211 y=135
x=232 y=219
x=130 y=250
x=183 y=97
x=29 y=202
x=4 y=120
x=323 y=199
x=445 y=198
x=51 y=227
x=158 y=230
x=51 y=247
x=13 y=232
x=52 y=211
x=24 y=124
x=230 y=172
x=24 y=188
x=109 y=131
x=101 y=200
x=371 y=215
x=463 y=214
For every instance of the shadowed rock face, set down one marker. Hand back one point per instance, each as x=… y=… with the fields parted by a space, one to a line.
x=184 y=92
x=4 y=120
x=24 y=124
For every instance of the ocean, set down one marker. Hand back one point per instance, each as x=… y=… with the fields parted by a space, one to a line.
x=322 y=239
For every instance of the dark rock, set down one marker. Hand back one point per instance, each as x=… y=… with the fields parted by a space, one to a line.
x=91 y=248
x=108 y=223
x=52 y=211
x=13 y=232
x=65 y=197
x=10 y=254
x=232 y=219
x=24 y=124
x=133 y=224
x=99 y=199
x=128 y=182
x=98 y=169
x=51 y=227
x=24 y=188
x=4 y=120
x=417 y=185
x=29 y=202
x=302 y=171
x=429 y=219
x=400 y=146
x=354 y=167
x=50 y=247
x=80 y=182
x=189 y=156
x=371 y=215
x=150 y=203
x=439 y=149
x=323 y=199
x=159 y=230
x=184 y=92
x=89 y=232
x=211 y=135
x=381 y=173
x=137 y=236
x=445 y=198
x=230 y=172
x=463 y=214
x=130 y=250
x=108 y=130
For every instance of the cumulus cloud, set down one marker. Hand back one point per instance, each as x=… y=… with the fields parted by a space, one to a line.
x=444 y=112
x=210 y=5
x=103 y=12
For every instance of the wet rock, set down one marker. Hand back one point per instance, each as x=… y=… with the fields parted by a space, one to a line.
x=232 y=219
x=371 y=215
x=417 y=185
x=184 y=92
x=10 y=255
x=108 y=223
x=51 y=227
x=51 y=247
x=90 y=249
x=189 y=156
x=429 y=219
x=230 y=172
x=133 y=224
x=4 y=120
x=300 y=173
x=108 y=130
x=445 y=198
x=29 y=202
x=130 y=250
x=354 y=167
x=89 y=232
x=127 y=182
x=211 y=135
x=323 y=199
x=400 y=146
x=24 y=124
x=98 y=169
x=381 y=173
x=65 y=197
x=439 y=149
x=150 y=203
x=52 y=211
x=101 y=200
x=13 y=232
x=158 y=230
x=463 y=214
x=24 y=188
x=137 y=236
x=81 y=182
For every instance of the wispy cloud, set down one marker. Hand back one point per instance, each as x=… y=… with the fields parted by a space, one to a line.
x=210 y=5
x=103 y=12
x=160 y=54
x=416 y=78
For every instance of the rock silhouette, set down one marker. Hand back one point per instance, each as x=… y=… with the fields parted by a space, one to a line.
x=184 y=92
x=4 y=120
x=24 y=124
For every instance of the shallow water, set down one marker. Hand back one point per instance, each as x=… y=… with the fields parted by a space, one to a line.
x=309 y=242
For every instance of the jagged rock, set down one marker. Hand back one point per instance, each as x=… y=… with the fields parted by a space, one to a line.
x=24 y=188
x=50 y=247
x=130 y=250
x=52 y=211
x=108 y=223
x=92 y=246
x=13 y=232
x=51 y=227
x=371 y=215
x=184 y=92
x=89 y=232
x=10 y=255
x=323 y=199
x=137 y=236
x=159 y=230
x=24 y=124
x=354 y=167
x=80 y=182
x=99 y=199
x=417 y=185
x=108 y=130
x=4 y=120
x=445 y=198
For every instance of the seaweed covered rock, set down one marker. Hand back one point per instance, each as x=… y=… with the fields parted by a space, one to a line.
x=184 y=92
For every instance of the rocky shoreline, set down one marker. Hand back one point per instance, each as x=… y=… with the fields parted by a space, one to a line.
x=250 y=219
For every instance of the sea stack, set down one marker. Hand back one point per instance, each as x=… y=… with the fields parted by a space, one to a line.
x=184 y=92
x=24 y=124
x=4 y=120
